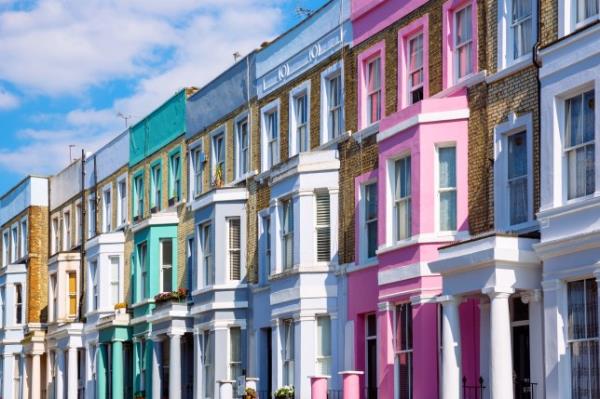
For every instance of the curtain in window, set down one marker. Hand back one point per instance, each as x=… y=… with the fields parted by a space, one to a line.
x=517 y=178
x=586 y=9
x=580 y=125
x=402 y=198
x=583 y=338
x=371 y=218
x=416 y=61
x=374 y=90
x=463 y=40
x=324 y=345
x=521 y=21
x=447 y=184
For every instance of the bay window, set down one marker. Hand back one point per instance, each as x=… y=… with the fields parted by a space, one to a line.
x=323 y=228
x=166 y=264
x=18 y=304
x=404 y=350
x=402 y=198
x=72 y=293
x=94 y=278
x=115 y=278
x=415 y=68
x=463 y=42
x=234 y=248
x=582 y=299
x=447 y=188
x=207 y=255
x=235 y=353
x=143 y=267
x=373 y=86
x=92 y=217
x=207 y=363
x=288 y=352
x=323 y=345
x=287 y=234
x=579 y=144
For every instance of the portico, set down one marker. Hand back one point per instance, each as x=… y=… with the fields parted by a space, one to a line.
x=501 y=275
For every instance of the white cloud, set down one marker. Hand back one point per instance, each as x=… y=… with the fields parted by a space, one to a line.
x=70 y=47
x=8 y=100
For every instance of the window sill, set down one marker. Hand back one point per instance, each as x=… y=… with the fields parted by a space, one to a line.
x=366 y=132
x=467 y=81
x=510 y=69
x=142 y=303
x=219 y=287
x=363 y=265
x=333 y=142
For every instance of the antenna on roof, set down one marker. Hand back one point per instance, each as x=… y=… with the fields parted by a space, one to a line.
x=303 y=12
x=236 y=56
x=125 y=118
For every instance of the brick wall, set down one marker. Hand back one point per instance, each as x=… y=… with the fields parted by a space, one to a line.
x=37 y=268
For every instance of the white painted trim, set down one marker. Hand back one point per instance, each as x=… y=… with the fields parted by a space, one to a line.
x=268 y=108
x=157 y=219
x=427 y=117
x=220 y=195
x=403 y=273
x=301 y=89
x=197 y=309
x=236 y=145
x=513 y=68
x=505 y=60
x=213 y=159
x=329 y=73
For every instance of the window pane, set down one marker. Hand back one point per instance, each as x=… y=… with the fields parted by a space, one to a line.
x=517 y=192
x=447 y=165
x=463 y=25
x=517 y=155
x=448 y=211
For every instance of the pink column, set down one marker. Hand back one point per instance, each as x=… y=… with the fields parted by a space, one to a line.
x=318 y=386
x=351 y=384
x=425 y=349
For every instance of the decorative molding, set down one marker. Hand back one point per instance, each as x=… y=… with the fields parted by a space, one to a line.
x=302 y=61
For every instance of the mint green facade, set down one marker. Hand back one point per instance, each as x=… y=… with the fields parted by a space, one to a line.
x=158 y=129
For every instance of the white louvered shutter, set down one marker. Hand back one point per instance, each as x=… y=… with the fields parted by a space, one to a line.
x=323 y=228
x=234 y=249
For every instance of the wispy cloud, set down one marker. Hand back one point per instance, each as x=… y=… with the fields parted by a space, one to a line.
x=58 y=48
x=8 y=100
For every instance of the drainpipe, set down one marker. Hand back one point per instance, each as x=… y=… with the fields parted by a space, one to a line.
x=82 y=239
x=537 y=62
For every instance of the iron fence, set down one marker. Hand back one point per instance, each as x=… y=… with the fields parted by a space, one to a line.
x=473 y=391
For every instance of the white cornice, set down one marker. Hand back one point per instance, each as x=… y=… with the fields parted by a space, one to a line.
x=427 y=117
x=156 y=219
x=220 y=195
x=403 y=273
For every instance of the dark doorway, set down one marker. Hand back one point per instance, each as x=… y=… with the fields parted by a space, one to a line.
x=521 y=361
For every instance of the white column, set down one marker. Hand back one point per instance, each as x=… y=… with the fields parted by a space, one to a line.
x=8 y=362
x=199 y=375
x=451 y=352
x=60 y=374
x=175 y=366
x=536 y=341
x=35 y=376
x=305 y=348
x=72 y=374
x=501 y=376
x=156 y=360
x=276 y=362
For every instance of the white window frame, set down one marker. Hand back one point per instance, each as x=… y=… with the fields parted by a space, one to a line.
x=138 y=197
x=156 y=186
x=391 y=227
x=567 y=18
x=122 y=209
x=330 y=73
x=322 y=226
x=456 y=47
x=409 y=88
x=206 y=251
x=501 y=133
x=162 y=265
x=78 y=215
x=238 y=145
x=398 y=351
x=439 y=190
x=66 y=233
x=72 y=294
x=24 y=234
x=175 y=176
x=106 y=212
x=19 y=306
x=143 y=268
x=363 y=248
x=234 y=364
x=266 y=245
x=208 y=349
x=196 y=170
x=6 y=247
x=323 y=362
x=53 y=291
x=95 y=298
x=505 y=35
x=302 y=90
x=14 y=243
x=367 y=104
x=119 y=277
x=269 y=160
x=287 y=235
x=231 y=250
x=221 y=130
x=288 y=357
x=91 y=216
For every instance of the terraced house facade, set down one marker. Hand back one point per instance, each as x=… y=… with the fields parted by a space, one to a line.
x=389 y=200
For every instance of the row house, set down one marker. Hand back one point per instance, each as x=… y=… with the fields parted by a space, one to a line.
x=105 y=331
x=443 y=180
x=570 y=189
x=160 y=331
x=23 y=281
x=219 y=120
x=65 y=284
x=298 y=296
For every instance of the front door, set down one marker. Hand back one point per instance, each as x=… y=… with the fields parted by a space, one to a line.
x=520 y=338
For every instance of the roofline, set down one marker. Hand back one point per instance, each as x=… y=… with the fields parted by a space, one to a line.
x=13 y=188
x=161 y=106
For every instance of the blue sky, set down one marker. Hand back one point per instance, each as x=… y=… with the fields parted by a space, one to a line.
x=68 y=67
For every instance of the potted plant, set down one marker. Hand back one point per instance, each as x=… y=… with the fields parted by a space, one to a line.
x=285 y=392
x=218 y=181
x=250 y=394
x=139 y=395
x=121 y=307
x=171 y=296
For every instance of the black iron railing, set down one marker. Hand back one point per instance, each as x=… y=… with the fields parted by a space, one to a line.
x=334 y=394
x=525 y=389
x=371 y=393
x=472 y=391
